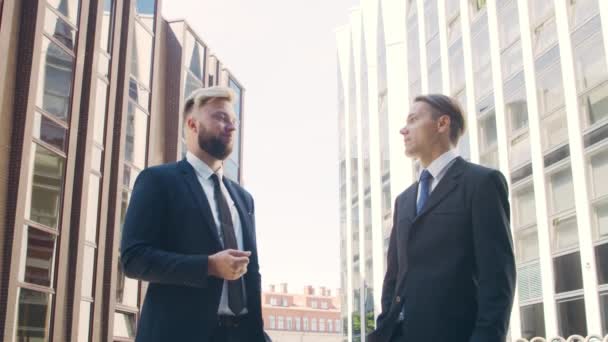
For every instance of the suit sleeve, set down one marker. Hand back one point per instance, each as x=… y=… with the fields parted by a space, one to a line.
x=145 y=228
x=390 y=278
x=495 y=263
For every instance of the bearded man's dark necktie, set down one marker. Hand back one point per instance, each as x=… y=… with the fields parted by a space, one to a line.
x=236 y=300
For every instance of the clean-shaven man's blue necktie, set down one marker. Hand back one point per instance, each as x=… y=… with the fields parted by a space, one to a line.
x=425 y=189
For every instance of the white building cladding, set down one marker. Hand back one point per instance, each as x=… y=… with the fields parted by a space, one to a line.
x=532 y=77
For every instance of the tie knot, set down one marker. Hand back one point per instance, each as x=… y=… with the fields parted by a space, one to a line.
x=425 y=175
x=215 y=178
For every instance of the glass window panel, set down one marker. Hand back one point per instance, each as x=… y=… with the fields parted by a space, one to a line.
x=33 y=316
x=525 y=206
x=59 y=29
x=568 y=273
x=68 y=8
x=99 y=113
x=601 y=259
x=238 y=98
x=431 y=19
x=43 y=202
x=601 y=218
x=527 y=245
x=512 y=60
x=594 y=105
x=454 y=29
x=550 y=90
x=192 y=84
x=124 y=325
x=129 y=176
x=581 y=10
x=50 y=132
x=544 y=36
x=517 y=109
x=519 y=150
x=231 y=169
x=554 y=129
x=562 y=191
x=456 y=63
x=39 y=264
x=141 y=55
x=476 y=6
x=136 y=139
x=413 y=51
x=435 y=79
x=483 y=82
x=139 y=94
x=565 y=233
x=599 y=171
x=590 y=63
x=540 y=10
x=604 y=309
x=508 y=24
x=532 y=321
x=195 y=57
x=126 y=289
x=487 y=130
x=145 y=11
x=88 y=271
x=481 y=46
x=571 y=317
x=123 y=206
x=433 y=51
x=84 y=322
x=92 y=208
x=107 y=25
x=452 y=7
x=55 y=80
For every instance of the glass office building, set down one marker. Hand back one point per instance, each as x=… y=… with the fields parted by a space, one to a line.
x=90 y=95
x=532 y=77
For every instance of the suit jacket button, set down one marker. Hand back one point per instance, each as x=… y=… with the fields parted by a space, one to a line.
x=398 y=299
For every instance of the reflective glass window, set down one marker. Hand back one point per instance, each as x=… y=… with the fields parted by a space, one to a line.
x=579 y=11
x=571 y=317
x=562 y=191
x=593 y=105
x=39 y=264
x=43 y=202
x=568 y=273
x=69 y=8
x=601 y=259
x=590 y=63
x=526 y=244
x=124 y=325
x=141 y=54
x=565 y=232
x=145 y=11
x=550 y=89
x=137 y=131
x=107 y=23
x=456 y=64
x=532 y=321
x=55 y=80
x=50 y=132
x=59 y=29
x=508 y=24
x=33 y=316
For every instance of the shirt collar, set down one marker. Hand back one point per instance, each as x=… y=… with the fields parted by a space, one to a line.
x=438 y=165
x=201 y=168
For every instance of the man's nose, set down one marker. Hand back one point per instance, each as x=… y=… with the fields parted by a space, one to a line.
x=404 y=131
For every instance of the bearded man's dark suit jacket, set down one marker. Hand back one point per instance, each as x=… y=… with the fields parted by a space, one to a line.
x=168 y=234
x=451 y=268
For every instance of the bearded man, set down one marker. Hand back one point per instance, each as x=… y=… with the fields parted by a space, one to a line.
x=190 y=233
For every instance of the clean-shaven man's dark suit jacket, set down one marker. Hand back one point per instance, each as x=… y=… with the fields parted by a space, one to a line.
x=168 y=234
x=452 y=266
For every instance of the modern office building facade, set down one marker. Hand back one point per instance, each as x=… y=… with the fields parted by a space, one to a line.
x=90 y=94
x=532 y=77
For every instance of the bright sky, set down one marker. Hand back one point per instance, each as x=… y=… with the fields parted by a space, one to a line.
x=284 y=54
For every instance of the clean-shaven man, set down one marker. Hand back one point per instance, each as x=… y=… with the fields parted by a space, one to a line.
x=190 y=232
x=450 y=269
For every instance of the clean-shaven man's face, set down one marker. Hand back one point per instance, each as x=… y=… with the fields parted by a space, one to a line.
x=421 y=130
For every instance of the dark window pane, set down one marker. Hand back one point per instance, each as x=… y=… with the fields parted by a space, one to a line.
x=68 y=8
x=571 y=317
x=49 y=132
x=568 y=273
x=124 y=325
x=46 y=185
x=141 y=54
x=137 y=132
x=601 y=259
x=55 y=80
x=59 y=29
x=139 y=94
x=39 y=258
x=107 y=23
x=33 y=316
x=532 y=321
